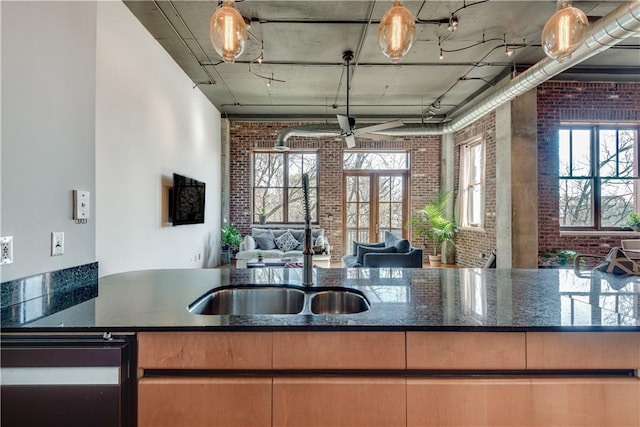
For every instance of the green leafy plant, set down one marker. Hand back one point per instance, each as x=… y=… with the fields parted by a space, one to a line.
x=432 y=223
x=556 y=258
x=634 y=221
x=230 y=236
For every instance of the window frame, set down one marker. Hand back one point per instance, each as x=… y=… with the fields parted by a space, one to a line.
x=594 y=176
x=285 y=188
x=466 y=171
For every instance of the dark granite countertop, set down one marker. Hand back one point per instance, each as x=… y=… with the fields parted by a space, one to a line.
x=401 y=299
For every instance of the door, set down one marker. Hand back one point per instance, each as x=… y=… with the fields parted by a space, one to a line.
x=375 y=202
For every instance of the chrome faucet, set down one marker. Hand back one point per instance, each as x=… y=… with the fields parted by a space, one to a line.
x=307 y=253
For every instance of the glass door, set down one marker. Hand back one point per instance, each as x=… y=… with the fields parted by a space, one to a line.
x=374 y=203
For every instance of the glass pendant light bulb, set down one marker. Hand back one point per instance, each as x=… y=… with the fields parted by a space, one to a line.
x=228 y=32
x=564 y=31
x=396 y=32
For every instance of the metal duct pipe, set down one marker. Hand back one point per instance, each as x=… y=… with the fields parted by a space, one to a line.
x=621 y=23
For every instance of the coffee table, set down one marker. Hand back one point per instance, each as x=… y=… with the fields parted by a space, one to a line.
x=271 y=262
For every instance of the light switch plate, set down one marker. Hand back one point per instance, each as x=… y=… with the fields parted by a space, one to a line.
x=6 y=250
x=57 y=243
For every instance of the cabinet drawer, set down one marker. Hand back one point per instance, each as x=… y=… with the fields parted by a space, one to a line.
x=338 y=350
x=583 y=350
x=211 y=402
x=204 y=350
x=467 y=402
x=338 y=402
x=465 y=350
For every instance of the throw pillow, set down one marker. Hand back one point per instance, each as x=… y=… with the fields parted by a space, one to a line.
x=618 y=263
x=390 y=239
x=249 y=243
x=286 y=242
x=368 y=245
x=265 y=241
x=362 y=250
x=402 y=246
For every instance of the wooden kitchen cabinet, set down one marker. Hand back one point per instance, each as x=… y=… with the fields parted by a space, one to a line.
x=339 y=350
x=583 y=350
x=198 y=401
x=339 y=402
x=204 y=350
x=466 y=350
x=476 y=402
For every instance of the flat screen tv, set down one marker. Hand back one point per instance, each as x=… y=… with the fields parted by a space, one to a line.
x=186 y=201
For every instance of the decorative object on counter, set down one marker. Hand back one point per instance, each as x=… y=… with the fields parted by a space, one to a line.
x=393 y=252
x=432 y=223
x=260 y=257
x=634 y=221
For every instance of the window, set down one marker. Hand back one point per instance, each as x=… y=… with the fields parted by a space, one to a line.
x=598 y=176
x=472 y=165
x=277 y=186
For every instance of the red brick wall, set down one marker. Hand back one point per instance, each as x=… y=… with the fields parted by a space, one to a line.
x=575 y=101
x=470 y=244
x=247 y=136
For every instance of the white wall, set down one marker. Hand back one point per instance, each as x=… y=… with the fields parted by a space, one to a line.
x=150 y=123
x=48 y=131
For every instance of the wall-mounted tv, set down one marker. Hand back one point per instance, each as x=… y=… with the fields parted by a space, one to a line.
x=186 y=201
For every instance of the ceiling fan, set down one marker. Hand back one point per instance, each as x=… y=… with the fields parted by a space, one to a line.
x=348 y=124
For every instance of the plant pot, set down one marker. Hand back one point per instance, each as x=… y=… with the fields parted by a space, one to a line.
x=435 y=260
x=262 y=219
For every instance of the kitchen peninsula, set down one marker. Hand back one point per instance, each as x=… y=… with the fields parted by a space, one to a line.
x=437 y=347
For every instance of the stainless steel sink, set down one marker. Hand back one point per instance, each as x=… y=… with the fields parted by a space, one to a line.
x=342 y=301
x=250 y=300
x=279 y=299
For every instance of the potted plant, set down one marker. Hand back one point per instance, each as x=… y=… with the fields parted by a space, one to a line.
x=634 y=221
x=262 y=216
x=230 y=238
x=432 y=223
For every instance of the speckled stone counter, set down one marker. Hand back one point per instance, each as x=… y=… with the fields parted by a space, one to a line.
x=401 y=299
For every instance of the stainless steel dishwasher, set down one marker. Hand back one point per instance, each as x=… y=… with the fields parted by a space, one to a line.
x=67 y=381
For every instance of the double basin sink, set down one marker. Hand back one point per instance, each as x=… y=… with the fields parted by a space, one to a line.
x=279 y=299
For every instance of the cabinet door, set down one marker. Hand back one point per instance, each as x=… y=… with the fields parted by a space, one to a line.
x=211 y=402
x=466 y=350
x=585 y=402
x=338 y=350
x=339 y=402
x=467 y=402
x=204 y=350
x=583 y=350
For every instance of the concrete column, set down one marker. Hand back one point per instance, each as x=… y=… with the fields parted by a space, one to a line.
x=517 y=183
x=447 y=175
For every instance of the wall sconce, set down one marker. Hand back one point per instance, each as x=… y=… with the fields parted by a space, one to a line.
x=228 y=32
x=396 y=31
x=564 y=31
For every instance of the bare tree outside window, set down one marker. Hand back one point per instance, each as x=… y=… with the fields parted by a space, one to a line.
x=277 y=186
x=598 y=176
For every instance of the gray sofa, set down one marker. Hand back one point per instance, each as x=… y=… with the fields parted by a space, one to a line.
x=393 y=252
x=268 y=243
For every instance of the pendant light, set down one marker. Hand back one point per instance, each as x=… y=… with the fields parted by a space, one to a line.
x=396 y=31
x=228 y=32
x=564 y=31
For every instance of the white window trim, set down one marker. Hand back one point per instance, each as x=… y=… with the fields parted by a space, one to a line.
x=463 y=193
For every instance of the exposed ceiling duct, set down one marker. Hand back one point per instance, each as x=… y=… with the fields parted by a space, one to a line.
x=613 y=28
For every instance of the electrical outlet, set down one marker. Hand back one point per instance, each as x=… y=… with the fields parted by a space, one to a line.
x=57 y=243
x=6 y=250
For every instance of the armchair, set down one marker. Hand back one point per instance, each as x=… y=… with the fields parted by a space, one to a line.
x=393 y=252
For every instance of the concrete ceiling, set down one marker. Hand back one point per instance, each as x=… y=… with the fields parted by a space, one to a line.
x=304 y=41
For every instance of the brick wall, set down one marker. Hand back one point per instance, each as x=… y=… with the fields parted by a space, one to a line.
x=470 y=244
x=585 y=102
x=247 y=136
